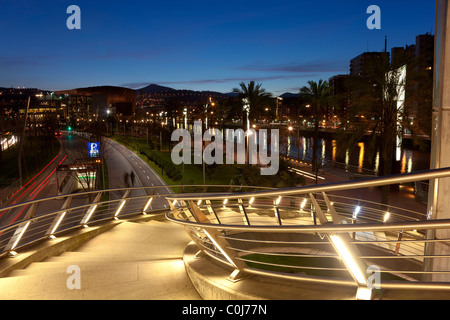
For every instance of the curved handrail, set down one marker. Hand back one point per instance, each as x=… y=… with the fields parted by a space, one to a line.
x=50 y=222
x=328 y=187
x=228 y=230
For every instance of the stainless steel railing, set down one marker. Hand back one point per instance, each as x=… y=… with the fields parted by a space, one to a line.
x=30 y=222
x=312 y=234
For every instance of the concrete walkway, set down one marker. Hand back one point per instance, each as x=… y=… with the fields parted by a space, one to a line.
x=141 y=261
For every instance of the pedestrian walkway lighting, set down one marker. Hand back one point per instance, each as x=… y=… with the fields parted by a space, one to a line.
x=119 y=209
x=225 y=202
x=211 y=238
x=348 y=259
x=147 y=205
x=251 y=201
x=24 y=228
x=277 y=202
x=386 y=216
x=89 y=216
x=303 y=204
x=356 y=212
x=57 y=223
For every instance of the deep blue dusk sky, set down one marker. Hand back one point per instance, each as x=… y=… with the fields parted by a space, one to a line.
x=199 y=45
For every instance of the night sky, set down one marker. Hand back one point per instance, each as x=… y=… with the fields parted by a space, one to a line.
x=198 y=45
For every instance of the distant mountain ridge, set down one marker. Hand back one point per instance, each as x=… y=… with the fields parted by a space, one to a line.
x=155 y=89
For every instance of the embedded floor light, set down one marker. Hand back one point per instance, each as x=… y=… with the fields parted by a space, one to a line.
x=363 y=293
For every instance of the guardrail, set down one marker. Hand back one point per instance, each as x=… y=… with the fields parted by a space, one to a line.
x=30 y=222
x=311 y=234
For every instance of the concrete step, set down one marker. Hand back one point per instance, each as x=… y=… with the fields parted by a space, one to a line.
x=148 y=280
x=130 y=261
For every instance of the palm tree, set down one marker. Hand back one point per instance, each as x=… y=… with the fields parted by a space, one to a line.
x=316 y=95
x=254 y=100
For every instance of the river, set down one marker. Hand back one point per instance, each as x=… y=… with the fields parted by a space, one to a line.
x=357 y=158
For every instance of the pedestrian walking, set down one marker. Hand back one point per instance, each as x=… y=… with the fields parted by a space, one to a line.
x=125 y=179
x=132 y=178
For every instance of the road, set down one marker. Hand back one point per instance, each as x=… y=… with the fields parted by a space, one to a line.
x=122 y=162
x=119 y=161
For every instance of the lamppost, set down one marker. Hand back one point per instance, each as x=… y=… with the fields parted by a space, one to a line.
x=19 y=159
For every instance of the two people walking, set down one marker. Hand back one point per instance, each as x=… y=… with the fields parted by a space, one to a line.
x=129 y=177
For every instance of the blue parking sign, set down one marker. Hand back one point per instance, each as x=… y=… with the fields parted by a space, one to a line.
x=94 y=149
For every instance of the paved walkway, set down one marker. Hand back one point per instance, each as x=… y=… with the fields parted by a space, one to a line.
x=131 y=261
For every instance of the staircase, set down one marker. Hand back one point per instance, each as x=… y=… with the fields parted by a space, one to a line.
x=134 y=260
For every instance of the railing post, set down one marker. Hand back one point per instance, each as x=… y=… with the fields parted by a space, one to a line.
x=221 y=244
x=244 y=213
x=212 y=211
x=277 y=212
x=30 y=213
x=122 y=204
x=148 y=204
x=345 y=250
x=14 y=241
x=179 y=214
x=59 y=218
x=87 y=216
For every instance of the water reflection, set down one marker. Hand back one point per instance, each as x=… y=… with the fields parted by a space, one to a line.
x=329 y=152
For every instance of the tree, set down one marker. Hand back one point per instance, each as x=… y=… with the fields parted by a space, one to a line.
x=382 y=113
x=254 y=101
x=174 y=108
x=316 y=95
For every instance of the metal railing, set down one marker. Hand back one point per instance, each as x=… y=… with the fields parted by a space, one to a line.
x=31 y=222
x=312 y=233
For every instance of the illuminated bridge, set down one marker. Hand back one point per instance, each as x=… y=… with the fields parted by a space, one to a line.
x=238 y=242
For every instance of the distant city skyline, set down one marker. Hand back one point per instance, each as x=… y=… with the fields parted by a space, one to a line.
x=196 y=45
